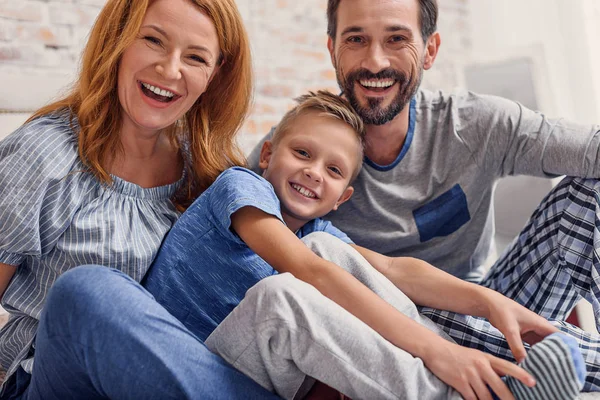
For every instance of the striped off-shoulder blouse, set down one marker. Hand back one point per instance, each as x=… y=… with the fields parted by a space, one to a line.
x=55 y=216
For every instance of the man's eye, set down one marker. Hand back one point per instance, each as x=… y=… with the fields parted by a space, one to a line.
x=303 y=153
x=355 y=39
x=397 y=39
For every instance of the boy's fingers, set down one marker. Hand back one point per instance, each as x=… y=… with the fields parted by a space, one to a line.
x=467 y=393
x=481 y=389
x=497 y=385
x=503 y=367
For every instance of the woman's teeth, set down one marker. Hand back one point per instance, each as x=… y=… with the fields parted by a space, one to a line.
x=155 y=90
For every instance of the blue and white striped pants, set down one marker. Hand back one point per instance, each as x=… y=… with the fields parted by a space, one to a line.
x=552 y=264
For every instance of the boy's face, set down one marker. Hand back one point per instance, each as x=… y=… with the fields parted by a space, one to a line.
x=311 y=167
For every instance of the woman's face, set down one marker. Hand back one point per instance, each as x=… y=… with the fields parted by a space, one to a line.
x=168 y=66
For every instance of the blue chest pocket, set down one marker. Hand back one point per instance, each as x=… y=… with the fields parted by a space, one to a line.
x=443 y=215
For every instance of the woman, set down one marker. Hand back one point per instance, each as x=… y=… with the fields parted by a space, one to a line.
x=99 y=177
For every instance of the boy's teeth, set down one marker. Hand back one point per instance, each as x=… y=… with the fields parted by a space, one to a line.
x=155 y=90
x=304 y=192
x=377 y=84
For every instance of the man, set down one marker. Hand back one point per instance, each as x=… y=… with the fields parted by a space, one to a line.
x=431 y=161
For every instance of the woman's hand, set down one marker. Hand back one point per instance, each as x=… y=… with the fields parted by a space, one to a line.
x=6 y=274
x=471 y=371
x=516 y=323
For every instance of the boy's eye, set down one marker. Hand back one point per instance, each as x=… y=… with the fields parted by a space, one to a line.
x=303 y=153
x=336 y=170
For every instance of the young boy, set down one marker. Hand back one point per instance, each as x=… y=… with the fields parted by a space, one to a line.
x=245 y=228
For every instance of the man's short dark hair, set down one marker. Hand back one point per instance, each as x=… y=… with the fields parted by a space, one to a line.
x=427 y=17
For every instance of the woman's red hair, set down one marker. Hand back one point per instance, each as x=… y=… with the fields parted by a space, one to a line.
x=208 y=128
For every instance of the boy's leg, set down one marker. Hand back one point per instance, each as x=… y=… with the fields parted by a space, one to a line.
x=555 y=259
x=101 y=335
x=550 y=353
x=333 y=249
x=285 y=331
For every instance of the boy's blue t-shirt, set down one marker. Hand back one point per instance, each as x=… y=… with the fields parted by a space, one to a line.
x=203 y=269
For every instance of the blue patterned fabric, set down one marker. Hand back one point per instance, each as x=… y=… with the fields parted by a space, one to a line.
x=551 y=265
x=55 y=216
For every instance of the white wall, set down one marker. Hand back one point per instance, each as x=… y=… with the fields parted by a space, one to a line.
x=560 y=38
x=561 y=34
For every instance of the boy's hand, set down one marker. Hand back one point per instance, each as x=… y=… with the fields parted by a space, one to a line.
x=471 y=371
x=517 y=323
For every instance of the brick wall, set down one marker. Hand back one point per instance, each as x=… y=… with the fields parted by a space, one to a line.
x=44 y=36
x=40 y=41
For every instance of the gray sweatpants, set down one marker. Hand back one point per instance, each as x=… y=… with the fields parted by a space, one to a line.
x=285 y=331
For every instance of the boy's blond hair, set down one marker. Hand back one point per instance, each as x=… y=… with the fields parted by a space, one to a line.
x=328 y=105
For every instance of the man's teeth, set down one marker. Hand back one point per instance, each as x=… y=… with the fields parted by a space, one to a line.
x=303 y=191
x=377 y=84
x=155 y=90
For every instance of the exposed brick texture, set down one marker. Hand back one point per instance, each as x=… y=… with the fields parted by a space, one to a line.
x=45 y=37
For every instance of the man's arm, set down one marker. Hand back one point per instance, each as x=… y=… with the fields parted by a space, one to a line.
x=507 y=138
x=459 y=367
x=6 y=274
x=428 y=286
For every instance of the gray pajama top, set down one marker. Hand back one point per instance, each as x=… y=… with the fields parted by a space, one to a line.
x=435 y=201
x=55 y=216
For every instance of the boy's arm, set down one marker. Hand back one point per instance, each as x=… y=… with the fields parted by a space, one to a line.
x=457 y=366
x=428 y=286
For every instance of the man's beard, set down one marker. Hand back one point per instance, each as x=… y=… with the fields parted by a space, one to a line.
x=373 y=113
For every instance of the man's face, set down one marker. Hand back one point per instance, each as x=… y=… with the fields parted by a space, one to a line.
x=378 y=55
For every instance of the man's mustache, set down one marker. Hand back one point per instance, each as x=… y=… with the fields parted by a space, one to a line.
x=364 y=74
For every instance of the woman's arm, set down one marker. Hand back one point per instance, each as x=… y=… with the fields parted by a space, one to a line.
x=6 y=273
x=459 y=367
x=428 y=286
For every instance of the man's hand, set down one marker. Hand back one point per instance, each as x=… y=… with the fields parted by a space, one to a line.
x=516 y=323
x=471 y=371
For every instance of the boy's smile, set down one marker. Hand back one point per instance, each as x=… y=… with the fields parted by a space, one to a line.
x=310 y=167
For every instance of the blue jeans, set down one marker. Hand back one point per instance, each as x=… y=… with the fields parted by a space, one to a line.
x=102 y=335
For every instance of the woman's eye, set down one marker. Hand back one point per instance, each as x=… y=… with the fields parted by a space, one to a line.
x=152 y=39
x=198 y=59
x=303 y=153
